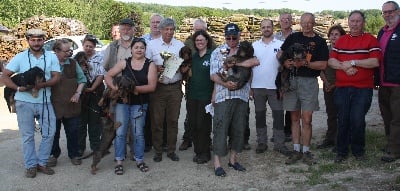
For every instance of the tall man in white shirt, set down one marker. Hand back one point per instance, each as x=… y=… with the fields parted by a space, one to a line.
x=168 y=94
x=263 y=89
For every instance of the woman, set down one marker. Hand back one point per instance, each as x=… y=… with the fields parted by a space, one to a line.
x=199 y=95
x=328 y=76
x=66 y=102
x=90 y=116
x=144 y=74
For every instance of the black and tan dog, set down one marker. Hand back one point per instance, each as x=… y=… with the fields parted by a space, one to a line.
x=186 y=54
x=109 y=99
x=28 y=79
x=239 y=74
x=295 y=52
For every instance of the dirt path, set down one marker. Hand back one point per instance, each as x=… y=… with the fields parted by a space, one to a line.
x=265 y=171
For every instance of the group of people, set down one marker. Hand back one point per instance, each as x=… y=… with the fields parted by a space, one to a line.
x=285 y=67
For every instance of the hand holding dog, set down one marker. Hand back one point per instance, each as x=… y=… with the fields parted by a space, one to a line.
x=230 y=85
x=75 y=98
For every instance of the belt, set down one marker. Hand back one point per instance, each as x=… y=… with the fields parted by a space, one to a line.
x=171 y=84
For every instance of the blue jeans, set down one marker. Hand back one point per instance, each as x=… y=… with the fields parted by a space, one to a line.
x=136 y=115
x=71 y=128
x=352 y=105
x=26 y=113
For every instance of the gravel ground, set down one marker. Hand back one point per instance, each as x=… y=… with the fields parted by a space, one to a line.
x=265 y=171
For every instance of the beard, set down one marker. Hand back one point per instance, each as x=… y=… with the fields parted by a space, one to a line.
x=125 y=37
x=36 y=48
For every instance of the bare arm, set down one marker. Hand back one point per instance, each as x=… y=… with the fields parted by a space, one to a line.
x=108 y=77
x=229 y=84
x=6 y=79
x=249 y=63
x=318 y=65
x=55 y=78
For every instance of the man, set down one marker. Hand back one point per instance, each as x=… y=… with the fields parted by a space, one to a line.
x=354 y=57
x=264 y=89
x=230 y=104
x=155 y=33
x=285 y=23
x=198 y=24
x=119 y=49
x=115 y=35
x=28 y=107
x=303 y=100
x=389 y=87
x=168 y=94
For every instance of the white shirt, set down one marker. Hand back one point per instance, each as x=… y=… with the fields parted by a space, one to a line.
x=158 y=45
x=264 y=75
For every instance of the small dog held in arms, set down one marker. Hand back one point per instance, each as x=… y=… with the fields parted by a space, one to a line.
x=28 y=79
x=186 y=54
x=232 y=72
x=109 y=99
x=290 y=60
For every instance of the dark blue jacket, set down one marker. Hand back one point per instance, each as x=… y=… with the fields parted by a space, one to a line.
x=391 y=58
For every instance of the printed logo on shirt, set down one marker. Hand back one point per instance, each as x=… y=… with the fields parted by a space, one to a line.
x=276 y=50
x=206 y=63
x=394 y=36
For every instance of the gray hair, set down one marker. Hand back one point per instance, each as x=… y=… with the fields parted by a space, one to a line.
x=200 y=22
x=166 y=22
x=156 y=15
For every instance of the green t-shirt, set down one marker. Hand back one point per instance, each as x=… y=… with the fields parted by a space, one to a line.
x=200 y=84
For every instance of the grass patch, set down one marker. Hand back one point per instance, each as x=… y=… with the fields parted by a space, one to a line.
x=374 y=142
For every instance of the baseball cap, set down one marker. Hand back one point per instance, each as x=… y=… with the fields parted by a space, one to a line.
x=35 y=33
x=127 y=21
x=231 y=29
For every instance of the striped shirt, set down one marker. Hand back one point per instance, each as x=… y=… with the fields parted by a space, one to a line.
x=96 y=67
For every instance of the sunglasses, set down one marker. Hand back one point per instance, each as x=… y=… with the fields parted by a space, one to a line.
x=231 y=38
x=139 y=40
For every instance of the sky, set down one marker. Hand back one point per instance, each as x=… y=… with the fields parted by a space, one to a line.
x=302 y=5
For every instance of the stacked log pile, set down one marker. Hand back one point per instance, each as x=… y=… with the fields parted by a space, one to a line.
x=250 y=26
x=15 y=42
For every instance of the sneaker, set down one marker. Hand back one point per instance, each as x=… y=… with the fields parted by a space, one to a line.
x=75 y=161
x=45 y=169
x=283 y=150
x=326 y=144
x=261 y=147
x=296 y=155
x=185 y=145
x=246 y=146
x=308 y=158
x=30 y=172
x=52 y=162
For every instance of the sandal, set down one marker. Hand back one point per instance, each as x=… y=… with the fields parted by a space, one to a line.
x=143 y=167
x=119 y=170
x=220 y=172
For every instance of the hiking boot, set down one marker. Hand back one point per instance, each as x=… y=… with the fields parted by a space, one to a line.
x=390 y=157
x=308 y=158
x=326 y=144
x=76 y=161
x=246 y=146
x=52 y=162
x=185 y=145
x=296 y=155
x=30 y=172
x=45 y=169
x=340 y=158
x=261 y=147
x=283 y=150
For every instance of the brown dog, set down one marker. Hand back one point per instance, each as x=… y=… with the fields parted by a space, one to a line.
x=108 y=101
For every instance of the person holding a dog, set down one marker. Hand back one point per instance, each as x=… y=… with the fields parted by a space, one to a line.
x=303 y=99
x=230 y=103
x=90 y=114
x=67 y=103
x=29 y=107
x=142 y=74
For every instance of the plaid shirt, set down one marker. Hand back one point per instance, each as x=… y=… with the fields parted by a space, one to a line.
x=223 y=93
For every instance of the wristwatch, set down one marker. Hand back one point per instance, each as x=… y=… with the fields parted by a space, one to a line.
x=353 y=63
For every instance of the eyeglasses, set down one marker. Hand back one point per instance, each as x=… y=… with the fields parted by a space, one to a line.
x=139 y=40
x=389 y=12
x=231 y=38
